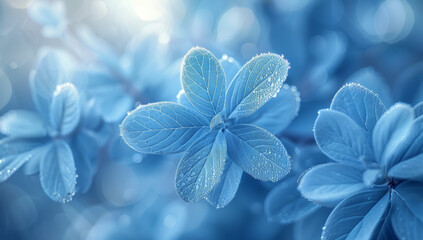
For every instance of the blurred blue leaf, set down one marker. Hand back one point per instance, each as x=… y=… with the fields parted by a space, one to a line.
x=201 y=167
x=85 y=157
x=225 y=190
x=111 y=101
x=204 y=82
x=307 y=157
x=22 y=123
x=357 y=217
x=409 y=87
x=102 y=51
x=57 y=172
x=285 y=204
x=51 y=15
x=330 y=183
x=303 y=125
x=257 y=82
x=65 y=109
x=347 y=145
x=313 y=223
x=48 y=75
x=15 y=152
x=163 y=128
x=257 y=152
x=407 y=209
x=144 y=58
x=418 y=109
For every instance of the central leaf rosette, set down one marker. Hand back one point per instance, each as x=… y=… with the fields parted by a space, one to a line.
x=213 y=126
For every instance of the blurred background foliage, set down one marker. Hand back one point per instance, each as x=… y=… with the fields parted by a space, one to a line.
x=327 y=42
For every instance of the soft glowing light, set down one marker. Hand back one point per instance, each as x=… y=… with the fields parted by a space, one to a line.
x=238 y=24
x=169 y=221
x=390 y=21
x=21 y=4
x=393 y=20
x=99 y=9
x=164 y=38
x=148 y=10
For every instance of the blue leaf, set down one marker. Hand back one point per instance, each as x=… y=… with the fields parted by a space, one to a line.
x=407 y=210
x=255 y=84
x=313 y=223
x=347 y=145
x=119 y=151
x=50 y=15
x=163 y=128
x=32 y=166
x=65 y=109
x=94 y=79
x=150 y=67
x=278 y=112
x=90 y=119
x=389 y=133
x=85 y=158
x=201 y=167
x=223 y=193
x=114 y=107
x=373 y=176
x=372 y=80
x=111 y=100
x=15 y=152
x=418 y=109
x=303 y=125
x=409 y=169
x=360 y=104
x=203 y=80
x=85 y=170
x=48 y=75
x=57 y=172
x=22 y=123
x=285 y=204
x=231 y=67
x=330 y=183
x=411 y=145
x=144 y=48
x=307 y=157
x=101 y=50
x=216 y=121
x=257 y=152
x=357 y=217
x=386 y=231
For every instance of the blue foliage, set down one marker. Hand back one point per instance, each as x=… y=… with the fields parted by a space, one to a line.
x=284 y=203
x=51 y=16
x=118 y=83
x=346 y=165
x=47 y=140
x=373 y=180
x=169 y=127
